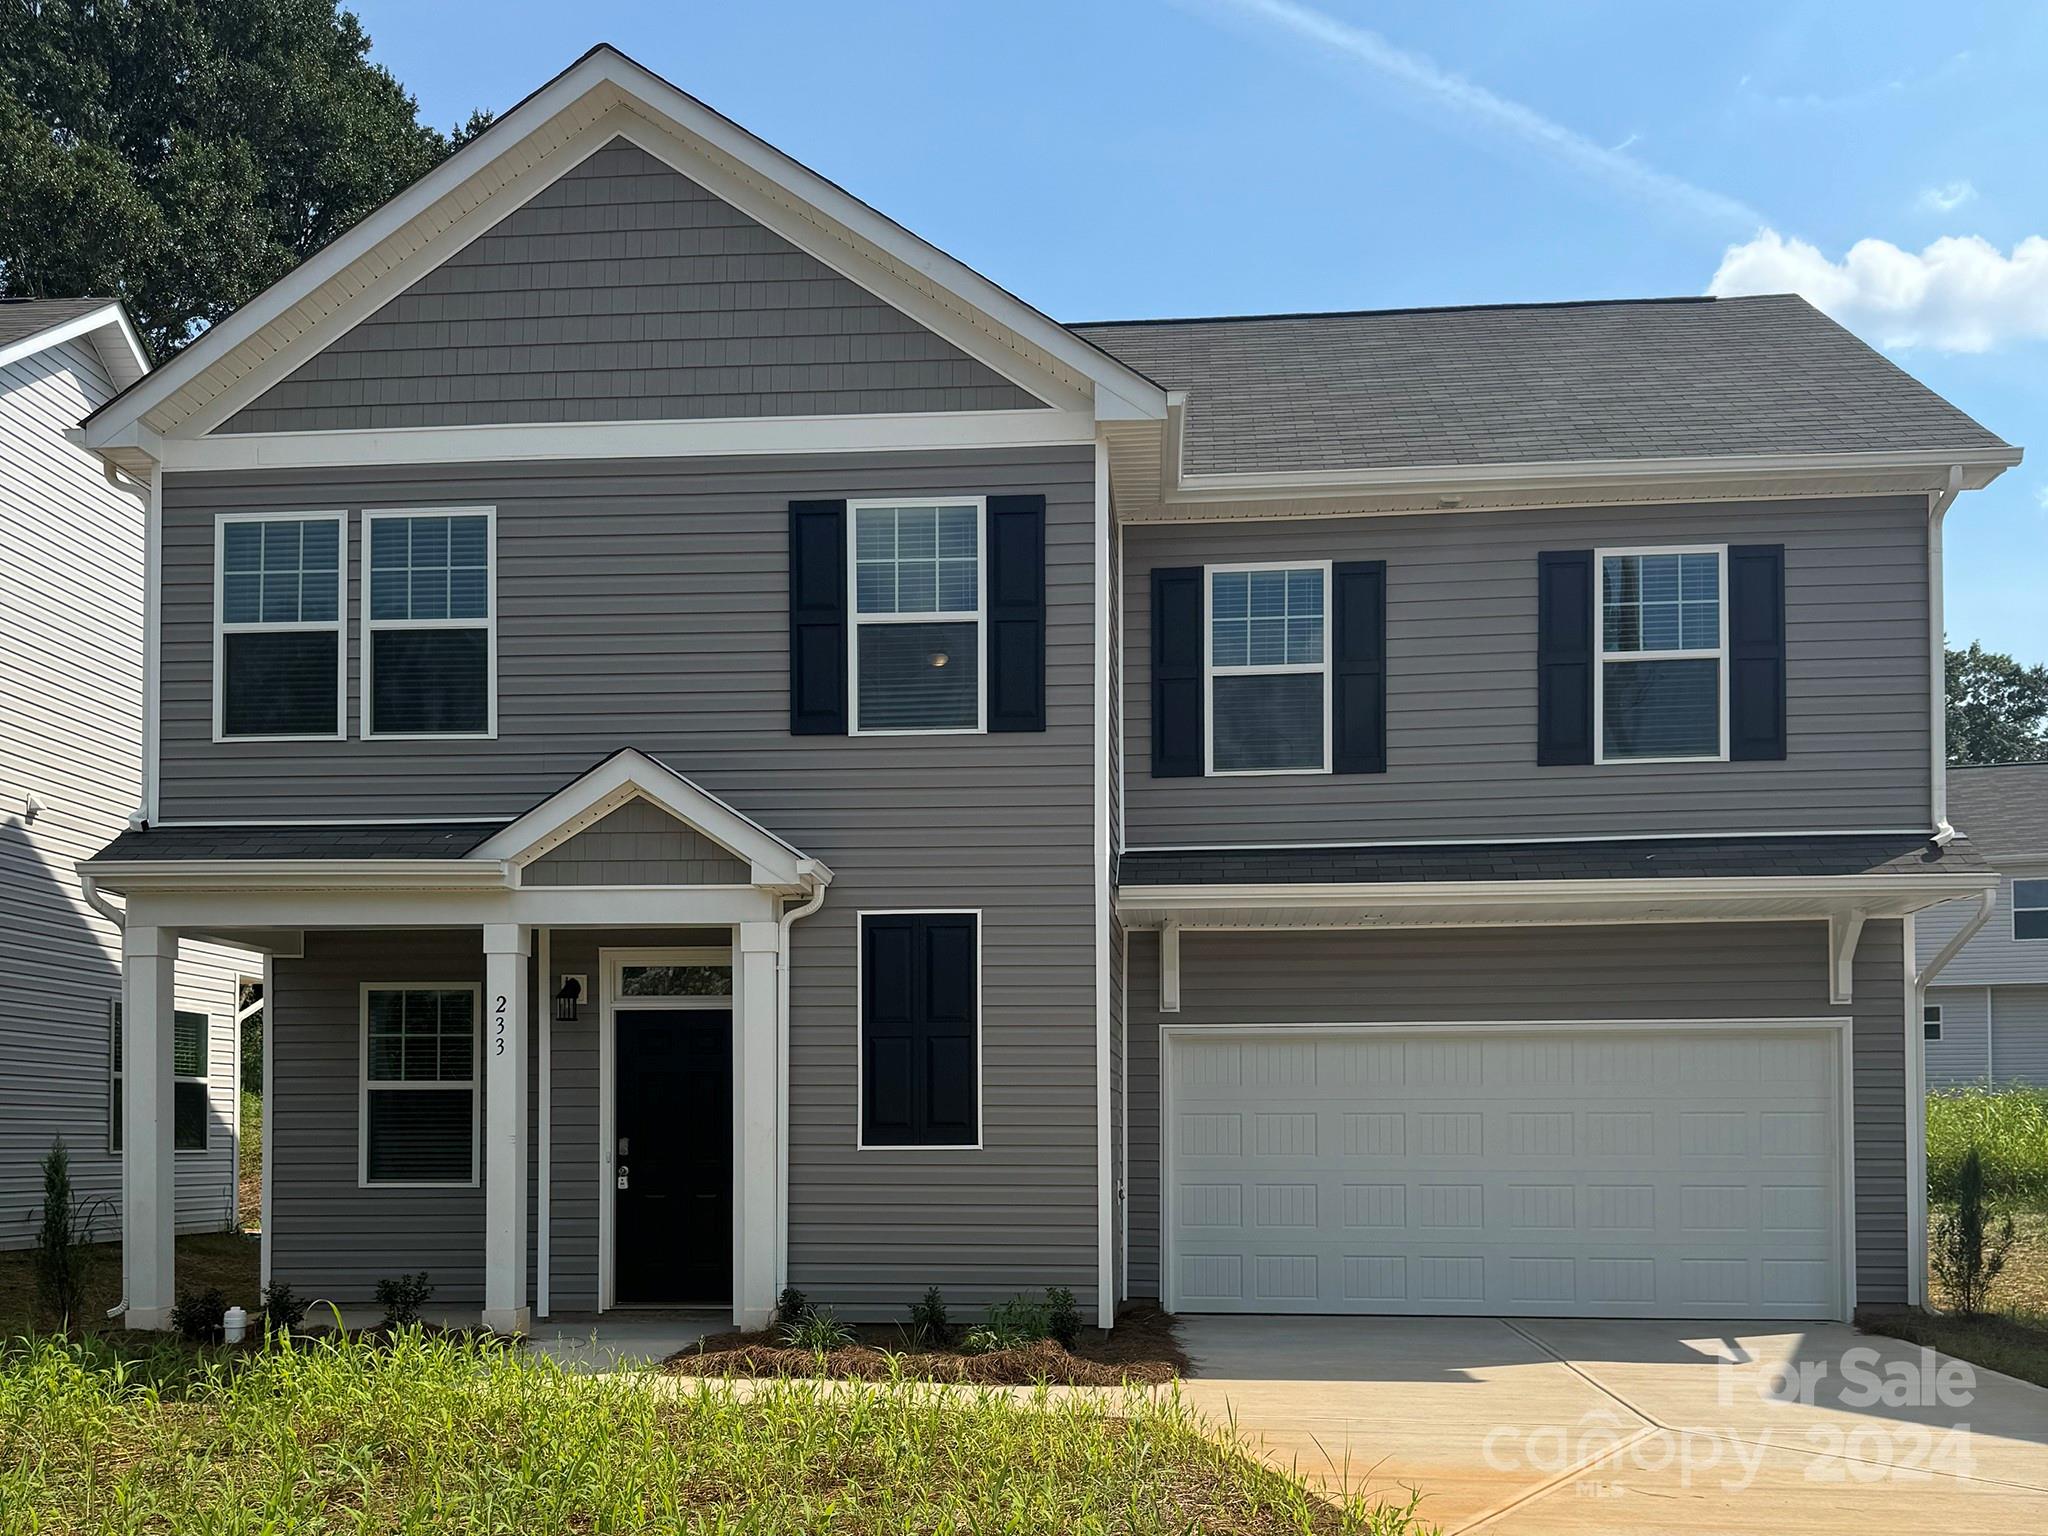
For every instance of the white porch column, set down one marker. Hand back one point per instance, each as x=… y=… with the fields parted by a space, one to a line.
x=505 y=1118
x=757 y=1206
x=149 y=1184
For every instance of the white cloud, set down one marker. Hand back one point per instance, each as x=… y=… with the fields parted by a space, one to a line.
x=1458 y=97
x=1947 y=197
x=1960 y=294
x=2041 y=497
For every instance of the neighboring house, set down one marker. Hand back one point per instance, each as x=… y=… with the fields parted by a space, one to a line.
x=760 y=758
x=70 y=774
x=1986 y=1013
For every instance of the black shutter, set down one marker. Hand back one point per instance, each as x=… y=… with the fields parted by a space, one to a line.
x=1756 y=653
x=1016 y=613
x=920 y=1072
x=1358 y=658
x=1177 y=631
x=817 y=618
x=1564 y=657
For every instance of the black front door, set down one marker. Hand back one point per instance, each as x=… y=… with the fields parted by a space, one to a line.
x=672 y=1220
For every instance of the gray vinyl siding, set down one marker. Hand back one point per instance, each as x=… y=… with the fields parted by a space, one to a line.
x=1542 y=974
x=1461 y=683
x=638 y=844
x=2019 y=1034
x=1962 y=1055
x=644 y=604
x=1119 y=1098
x=1993 y=956
x=625 y=291
x=70 y=733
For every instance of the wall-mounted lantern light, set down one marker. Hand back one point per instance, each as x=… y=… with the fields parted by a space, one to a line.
x=567 y=999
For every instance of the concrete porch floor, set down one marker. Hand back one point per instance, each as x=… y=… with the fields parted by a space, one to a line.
x=1546 y=1425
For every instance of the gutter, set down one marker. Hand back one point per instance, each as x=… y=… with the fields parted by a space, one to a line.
x=791 y=916
x=1937 y=657
x=1987 y=902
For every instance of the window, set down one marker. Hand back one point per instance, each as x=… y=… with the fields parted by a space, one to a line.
x=419 y=1084
x=277 y=651
x=429 y=624
x=676 y=980
x=920 y=1029
x=191 y=1065
x=1930 y=1022
x=1662 y=680
x=2030 y=909
x=917 y=606
x=1269 y=672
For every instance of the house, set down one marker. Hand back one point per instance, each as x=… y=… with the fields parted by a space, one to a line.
x=759 y=758
x=1985 y=1016
x=70 y=773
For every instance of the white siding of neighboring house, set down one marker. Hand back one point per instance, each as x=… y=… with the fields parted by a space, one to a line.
x=70 y=734
x=1958 y=1057
x=1993 y=955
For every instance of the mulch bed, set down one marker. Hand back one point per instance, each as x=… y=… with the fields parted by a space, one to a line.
x=1140 y=1350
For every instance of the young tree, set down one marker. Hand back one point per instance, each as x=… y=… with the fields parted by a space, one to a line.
x=185 y=154
x=1997 y=708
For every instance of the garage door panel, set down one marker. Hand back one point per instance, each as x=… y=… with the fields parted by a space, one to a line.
x=1330 y=1173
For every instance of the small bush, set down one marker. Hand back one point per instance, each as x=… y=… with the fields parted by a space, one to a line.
x=198 y=1316
x=402 y=1297
x=928 y=1323
x=63 y=1258
x=792 y=1306
x=818 y=1331
x=1063 y=1317
x=1010 y=1324
x=282 y=1308
x=1971 y=1244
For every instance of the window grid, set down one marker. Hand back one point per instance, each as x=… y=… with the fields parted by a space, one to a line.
x=1284 y=611
x=1664 y=595
x=429 y=569
x=2030 y=909
x=409 y=1031
x=918 y=562
x=278 y=573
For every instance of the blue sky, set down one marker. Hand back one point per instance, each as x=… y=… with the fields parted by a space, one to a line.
x=1153 y=157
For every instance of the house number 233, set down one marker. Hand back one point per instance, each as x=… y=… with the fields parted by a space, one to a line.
x=498 y=1026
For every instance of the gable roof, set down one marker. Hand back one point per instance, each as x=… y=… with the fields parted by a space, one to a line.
x=1534 y=383
x=2002 y=808
x=604 y=94
x=28 y=326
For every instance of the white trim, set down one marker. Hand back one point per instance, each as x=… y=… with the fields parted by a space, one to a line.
x=338 y=627
x=544 y=1129
x=1938 y=503
x=2013 y=917
x=364 y=1087
x=1916 y=1121
x=1843 y=1025
x=264 y=1201
x=609 y=1004
x=372 y=626
x=683 y=438
x=1537 y=893
x=1105 y=918
x=1457 y=842
x=112 y=315
x=1210 y=671
x=337 y=821
x=859 y=620
x=860 y=949
x=1603 y=658
x=152 y=643
x=117 y=1072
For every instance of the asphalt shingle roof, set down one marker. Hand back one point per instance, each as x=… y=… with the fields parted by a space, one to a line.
x=1522 y=383
x=20 y=318
x=363 y=840
x=2002 y=808
x=1669 y=858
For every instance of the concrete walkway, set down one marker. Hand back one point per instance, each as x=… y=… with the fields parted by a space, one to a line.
x=1522 y=1425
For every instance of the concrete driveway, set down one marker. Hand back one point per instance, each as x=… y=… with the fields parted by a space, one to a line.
x=1537 y=1425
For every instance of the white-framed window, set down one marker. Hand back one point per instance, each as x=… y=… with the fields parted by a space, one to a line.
x=918 y=585
x=430 y=622
x=1266 y=668
x=1930 y=1021
x=191 y=1068
x=1660 y=693
x=421 y=1050
x=280 y=662
x=2030 y=909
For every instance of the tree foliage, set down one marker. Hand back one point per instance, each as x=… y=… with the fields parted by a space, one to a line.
x=185 y=154
x=1997 y=708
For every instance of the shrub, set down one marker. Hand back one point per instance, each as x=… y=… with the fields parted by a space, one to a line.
x=928 y=1324
x=402 y=1297
x=1011 y=1324
x=198 y=1316
x=2007 y=1128
x=792 y=1306
x=63 y=1258
x=282 y=1309
x=818 y=1331
x=1970 y=1245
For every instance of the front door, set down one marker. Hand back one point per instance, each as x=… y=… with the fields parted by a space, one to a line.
x=672 y=1211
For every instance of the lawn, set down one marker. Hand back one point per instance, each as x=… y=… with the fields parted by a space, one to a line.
x=227 y=1260
x=440 y=1434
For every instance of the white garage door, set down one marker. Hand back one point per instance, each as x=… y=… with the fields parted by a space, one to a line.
x=1615 y=1173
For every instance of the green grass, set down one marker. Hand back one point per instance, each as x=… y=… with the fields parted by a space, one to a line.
x=2009 y=1128
x=249 y=1199
x=438 y=1435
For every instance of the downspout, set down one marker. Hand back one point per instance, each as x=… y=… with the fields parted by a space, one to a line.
x=1937 y=641
x=89 y=888
x=1916 y=1122
x=791 y=916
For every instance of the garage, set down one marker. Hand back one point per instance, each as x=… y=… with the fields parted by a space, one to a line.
x=1553 y=1170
